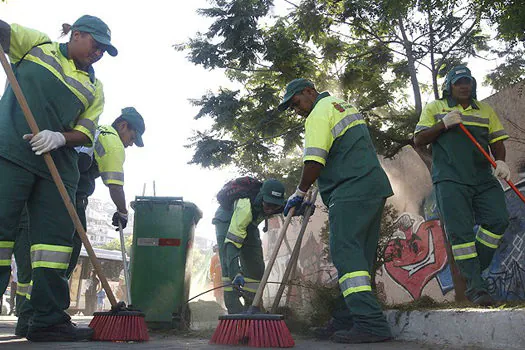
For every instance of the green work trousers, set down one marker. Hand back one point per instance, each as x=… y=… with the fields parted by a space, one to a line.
x=247 y=260
x=50 y=236
x=463 y=206
x=22 y=252
x=354 y=234
x=81 y=206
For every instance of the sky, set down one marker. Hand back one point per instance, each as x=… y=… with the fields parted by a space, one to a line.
x=151 y=76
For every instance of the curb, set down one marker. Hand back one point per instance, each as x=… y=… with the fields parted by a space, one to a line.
x=486 y=328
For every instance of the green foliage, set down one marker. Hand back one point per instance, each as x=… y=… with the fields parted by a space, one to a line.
x=370 y=53
x=115 y=244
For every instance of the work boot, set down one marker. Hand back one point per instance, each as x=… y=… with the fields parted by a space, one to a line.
x=482 y=298
x=353 y=336
x=326 y=331
x=61 y=332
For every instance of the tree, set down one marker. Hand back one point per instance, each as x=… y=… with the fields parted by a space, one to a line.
x=115 y=244
x=369 y=53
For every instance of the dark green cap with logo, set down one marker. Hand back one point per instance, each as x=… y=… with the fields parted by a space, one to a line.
x=457 y=73
x=273 y=192
x=98 y=30
x=135 y=120
x=293 y=87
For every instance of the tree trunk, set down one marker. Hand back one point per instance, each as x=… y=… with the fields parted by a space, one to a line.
x=411 y=68
x=433 y=68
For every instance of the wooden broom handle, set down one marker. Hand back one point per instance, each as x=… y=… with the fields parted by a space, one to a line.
x=489 y=158
x=56 y=177
x=258 y=296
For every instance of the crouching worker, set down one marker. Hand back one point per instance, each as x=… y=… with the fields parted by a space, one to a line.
x=244 y=203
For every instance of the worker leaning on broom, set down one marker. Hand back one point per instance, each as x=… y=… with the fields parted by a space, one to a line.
x=239 y=241
x=66 y=100
x=467 y=190
x=339 y=154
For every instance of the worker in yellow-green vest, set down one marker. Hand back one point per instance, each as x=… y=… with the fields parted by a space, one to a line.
x=339 y=154
x=66 y=100
x=106 y=160
x=240 y=249
x=467 y=190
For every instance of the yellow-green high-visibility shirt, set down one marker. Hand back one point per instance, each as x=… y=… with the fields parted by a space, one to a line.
x=454 y=156
x=244 y=215
x=336 y=136
x=110 y=156
x=61 y=98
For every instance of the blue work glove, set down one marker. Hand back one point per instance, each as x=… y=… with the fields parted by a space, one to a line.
x=238 y=282
x=302 y=209
x=294 y=201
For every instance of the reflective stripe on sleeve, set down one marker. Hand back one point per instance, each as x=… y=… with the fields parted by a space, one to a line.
x=354 y=282
x=99 y=148
x=315 y=151
x=88 y=124
x=498 y=134
x=464 y=251
x=421 y=128
x=112 y=175
x=230 y=236
x=488 y=238
x=343 y=123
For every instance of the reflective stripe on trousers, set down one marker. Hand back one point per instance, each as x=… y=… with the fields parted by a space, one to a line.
x=22 y=288
x=50 y=256
x=464 y=251
x=488 y=238
x=29 y=290
x=354 y=282
x=226 y=281
x=251 y=285
x=6 y=251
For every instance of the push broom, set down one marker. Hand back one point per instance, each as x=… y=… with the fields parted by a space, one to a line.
x=119 y=324
x=492 y=162
x=257 y=329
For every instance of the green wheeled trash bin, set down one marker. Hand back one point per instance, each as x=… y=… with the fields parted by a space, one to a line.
x=161 y=259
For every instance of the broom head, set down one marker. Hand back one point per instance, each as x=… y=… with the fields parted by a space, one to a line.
x=255 y=330
x=119 y=324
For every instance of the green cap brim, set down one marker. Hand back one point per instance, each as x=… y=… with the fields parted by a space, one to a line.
x=273 y=200
x=457 y=77
x=111 y=50
x=138 y=140
x=287 y=101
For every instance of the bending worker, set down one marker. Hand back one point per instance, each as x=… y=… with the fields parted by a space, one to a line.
x=240 y=248
x=467 y=191
x=106 y=160
x=340 y=155
x=66 y=99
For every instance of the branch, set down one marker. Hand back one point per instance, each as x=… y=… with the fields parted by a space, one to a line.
x=270 y=137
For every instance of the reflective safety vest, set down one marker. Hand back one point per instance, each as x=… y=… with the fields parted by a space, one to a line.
x=454 y=156
x=242 y=217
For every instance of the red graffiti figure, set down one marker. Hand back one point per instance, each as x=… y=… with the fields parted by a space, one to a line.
x=416 y=254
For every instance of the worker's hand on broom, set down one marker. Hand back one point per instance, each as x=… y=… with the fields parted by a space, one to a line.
x=302 y=209
x=238 y=282
x=451 y=119
x=45 y=141
x=501 y=170
x=119 y=217
x=294 y=201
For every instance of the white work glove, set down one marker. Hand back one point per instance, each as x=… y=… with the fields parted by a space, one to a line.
x=45 y=141
x=452 y=118
x=502 y=170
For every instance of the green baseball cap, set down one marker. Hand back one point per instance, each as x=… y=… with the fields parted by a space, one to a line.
x=273 y=192
x=98 y=30
x=293 y=87
x=457 y=73
x=135 y=120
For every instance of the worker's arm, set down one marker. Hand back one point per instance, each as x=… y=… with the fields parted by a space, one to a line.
x=76 y=138
x=498 y=150
x=429 y=135
x=5 y=35
x=118 y=197
x=311 y=171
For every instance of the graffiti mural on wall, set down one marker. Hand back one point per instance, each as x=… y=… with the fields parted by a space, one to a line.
x=417 y=253
x=506 y=273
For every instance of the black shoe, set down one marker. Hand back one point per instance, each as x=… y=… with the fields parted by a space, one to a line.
x=353 y=336
x=21 y=330
x=60 y=332
x=482 y=298
x=329 y=329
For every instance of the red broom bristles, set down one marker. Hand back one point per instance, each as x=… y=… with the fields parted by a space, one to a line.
x=252 y=332
x=114 y=327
